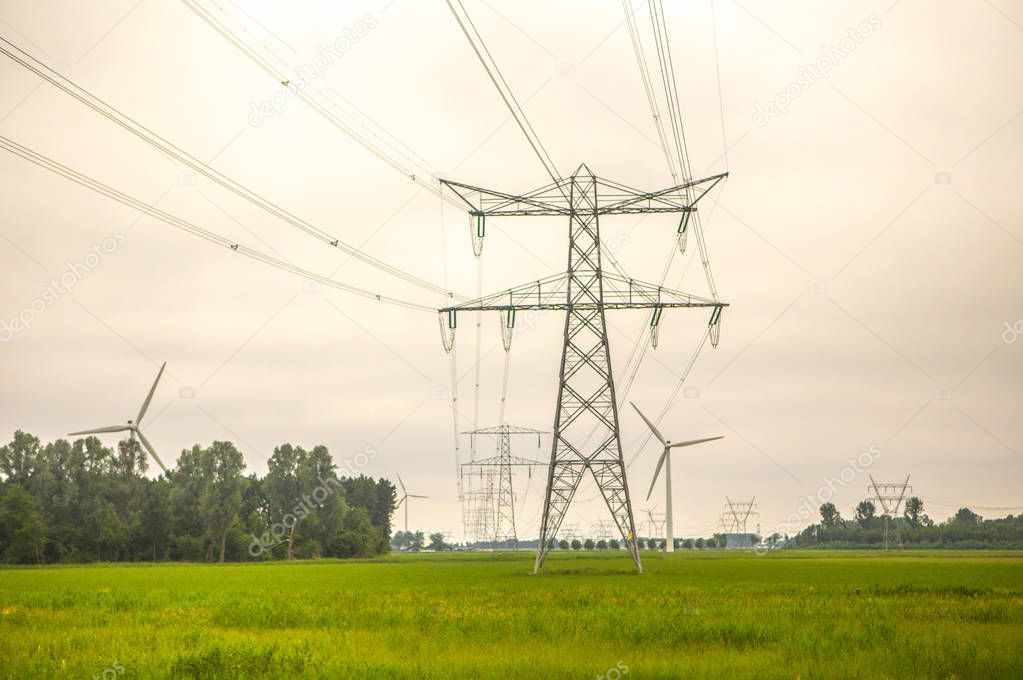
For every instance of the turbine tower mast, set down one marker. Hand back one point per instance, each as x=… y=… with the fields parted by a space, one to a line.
x=586 y=402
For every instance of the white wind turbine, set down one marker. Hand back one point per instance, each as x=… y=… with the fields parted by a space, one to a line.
x=665 y=460
x=405 y=495
x=133 y=426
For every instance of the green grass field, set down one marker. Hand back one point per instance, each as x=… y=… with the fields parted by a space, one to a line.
x=701 y=615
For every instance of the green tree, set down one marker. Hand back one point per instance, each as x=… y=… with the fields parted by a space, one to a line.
x=865 y=513
x=967 y=516
x=22 y=531
x=830 y=516
x=20 y=459
x=358 y=536
x=914 y=509
x=156 y=517
x=282 y=490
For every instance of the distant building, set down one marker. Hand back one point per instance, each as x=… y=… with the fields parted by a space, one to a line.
x=740 y=541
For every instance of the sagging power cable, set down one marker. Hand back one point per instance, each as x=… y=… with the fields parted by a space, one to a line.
x=24 y=59
x=136 y=204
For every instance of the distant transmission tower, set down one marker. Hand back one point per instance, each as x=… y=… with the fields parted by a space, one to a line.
x=656 y=523
x=494 y=514
x=890 y=496
x=735 y=521
x=586 y=403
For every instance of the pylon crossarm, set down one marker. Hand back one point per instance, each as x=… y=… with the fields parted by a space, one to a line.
x=662 y=201
x=501 y=429
x=512 y=460
x=489 y=202
x=613 y=198
x=619 y=292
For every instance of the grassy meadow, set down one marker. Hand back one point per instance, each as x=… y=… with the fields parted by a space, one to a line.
x=478 y=615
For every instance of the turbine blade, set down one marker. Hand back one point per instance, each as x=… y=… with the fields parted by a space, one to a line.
x=100 y=430
x=653 y=428
x=657 y=472
x=695 y=441
x=149 y=397
x=152 y=451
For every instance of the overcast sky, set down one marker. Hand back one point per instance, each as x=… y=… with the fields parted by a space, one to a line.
x=869 y=240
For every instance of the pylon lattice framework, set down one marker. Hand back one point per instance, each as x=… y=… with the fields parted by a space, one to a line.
x=586 y=393
x=488 y=512
x=890 y=496
x=736 y=517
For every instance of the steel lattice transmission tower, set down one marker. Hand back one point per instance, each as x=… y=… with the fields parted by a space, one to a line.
x=736 y=517
x=735 y=521
x=586 y=403
x=890 y=495
x=499 y=503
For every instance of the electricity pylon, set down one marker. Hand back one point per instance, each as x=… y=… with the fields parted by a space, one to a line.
x=890 y=495
x=586 y=393
x=501 y=502
x=736 y=518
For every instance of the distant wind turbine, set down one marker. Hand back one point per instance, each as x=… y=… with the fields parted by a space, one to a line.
x=405 y=495
x=133 y=427
x=665 y=460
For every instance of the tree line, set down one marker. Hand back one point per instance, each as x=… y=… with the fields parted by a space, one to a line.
x=913 y=528
x=83 y=502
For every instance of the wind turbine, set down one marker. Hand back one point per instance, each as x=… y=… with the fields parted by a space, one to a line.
x=405 y=495
x=665 y=460
x=133 y=426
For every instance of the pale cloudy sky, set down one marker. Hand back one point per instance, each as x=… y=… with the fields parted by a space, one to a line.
x=869 y=239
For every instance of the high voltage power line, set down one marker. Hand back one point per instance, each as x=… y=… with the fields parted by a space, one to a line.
x=108 y=191
x=142 y=132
